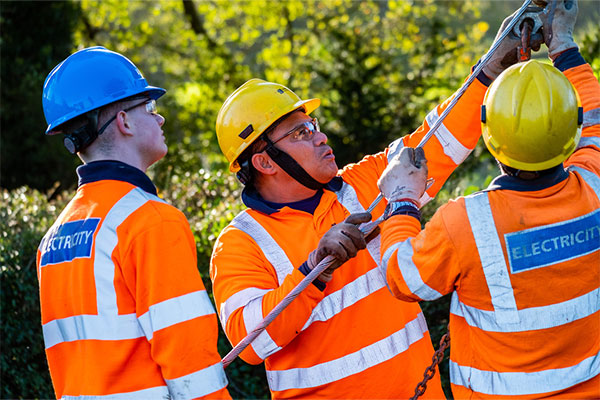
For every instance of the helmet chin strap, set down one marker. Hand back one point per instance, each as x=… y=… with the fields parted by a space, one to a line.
x=289 y=165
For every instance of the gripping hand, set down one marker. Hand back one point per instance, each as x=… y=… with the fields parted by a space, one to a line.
x=405 y=177
x=343 y=241
x=559 y=22
x=507 y=53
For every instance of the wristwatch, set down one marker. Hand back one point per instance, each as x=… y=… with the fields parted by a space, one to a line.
x=401 y=207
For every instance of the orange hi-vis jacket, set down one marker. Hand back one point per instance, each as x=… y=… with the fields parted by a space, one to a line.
x=354 y=339
x=522 y=260
x=124 y=311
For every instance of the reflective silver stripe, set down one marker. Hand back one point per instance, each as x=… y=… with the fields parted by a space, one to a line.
x=589 y=177
x=492 y=258
x=199 y=383
x=385 y=260
x=175 y=310
x=524 y=383
x=452 y=147
x=348 y=198
x=394 y=149
x=159 y=392
x=348 y=295
x=591 y=117
x=410 y=272
x=533 y=318
x=91 y=327
x=589 y=141
x=369 y=356
x=272 y=251
x=105 y=243
x=263 y=345
x=238 y=300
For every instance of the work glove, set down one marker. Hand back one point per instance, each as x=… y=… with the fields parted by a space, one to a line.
x=507 y=53
x=559 y=21
x=405 y=178
x=343 y=241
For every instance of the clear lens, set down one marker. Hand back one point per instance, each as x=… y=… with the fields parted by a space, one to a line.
x=151 y=106
x=307 y=130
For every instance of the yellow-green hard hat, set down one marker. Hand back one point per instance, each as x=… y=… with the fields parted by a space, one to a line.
x=250 y=110
x=531 y=117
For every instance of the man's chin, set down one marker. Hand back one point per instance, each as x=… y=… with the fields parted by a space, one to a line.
x=328 y=173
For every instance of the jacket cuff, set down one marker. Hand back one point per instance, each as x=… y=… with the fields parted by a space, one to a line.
x=306 y=270
x=568 y=59
x=481 y=77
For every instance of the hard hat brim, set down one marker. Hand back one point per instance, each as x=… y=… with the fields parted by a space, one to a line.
x=154 y=93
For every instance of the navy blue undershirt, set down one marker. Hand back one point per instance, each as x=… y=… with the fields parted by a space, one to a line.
x=114 y=170
x=307 y=205
x=252 y=199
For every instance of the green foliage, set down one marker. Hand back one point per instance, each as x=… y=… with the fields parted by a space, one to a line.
x=25 y=216
x=360 y=58
x=589 y=46
x=31 y=47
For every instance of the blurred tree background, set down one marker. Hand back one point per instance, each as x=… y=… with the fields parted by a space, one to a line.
x=378 y=67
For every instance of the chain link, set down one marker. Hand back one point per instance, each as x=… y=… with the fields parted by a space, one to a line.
x=429 y=373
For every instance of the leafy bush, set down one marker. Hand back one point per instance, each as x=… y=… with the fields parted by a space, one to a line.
x=25 y=216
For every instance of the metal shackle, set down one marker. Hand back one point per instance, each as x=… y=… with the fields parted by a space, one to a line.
x=533 y=17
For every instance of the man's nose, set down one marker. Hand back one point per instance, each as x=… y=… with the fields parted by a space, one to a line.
x=319 y=138
x=161 y=119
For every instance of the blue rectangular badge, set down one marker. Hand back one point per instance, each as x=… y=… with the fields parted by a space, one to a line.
x=551 y=244
x=70 y=240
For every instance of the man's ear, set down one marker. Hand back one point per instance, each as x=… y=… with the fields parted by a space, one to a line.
x=123 y=123
x=263 y=163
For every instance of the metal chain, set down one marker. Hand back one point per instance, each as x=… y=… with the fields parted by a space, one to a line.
x=429 y=373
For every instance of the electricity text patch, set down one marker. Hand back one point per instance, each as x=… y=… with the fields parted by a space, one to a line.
x=551 y=244
x=69 y=241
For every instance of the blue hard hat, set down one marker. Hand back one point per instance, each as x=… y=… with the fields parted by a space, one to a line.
x=89 y=79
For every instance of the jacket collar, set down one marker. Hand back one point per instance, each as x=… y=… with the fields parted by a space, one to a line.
x=507 y=182
x=114 y=170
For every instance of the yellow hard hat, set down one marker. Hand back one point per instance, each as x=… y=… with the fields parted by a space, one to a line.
x=250 y=110
x=531 y=117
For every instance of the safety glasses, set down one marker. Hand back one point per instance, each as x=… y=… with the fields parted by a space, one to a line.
x=150 y=108
x=305 y=131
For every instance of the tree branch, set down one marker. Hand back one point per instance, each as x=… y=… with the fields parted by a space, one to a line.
x=189 y=9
